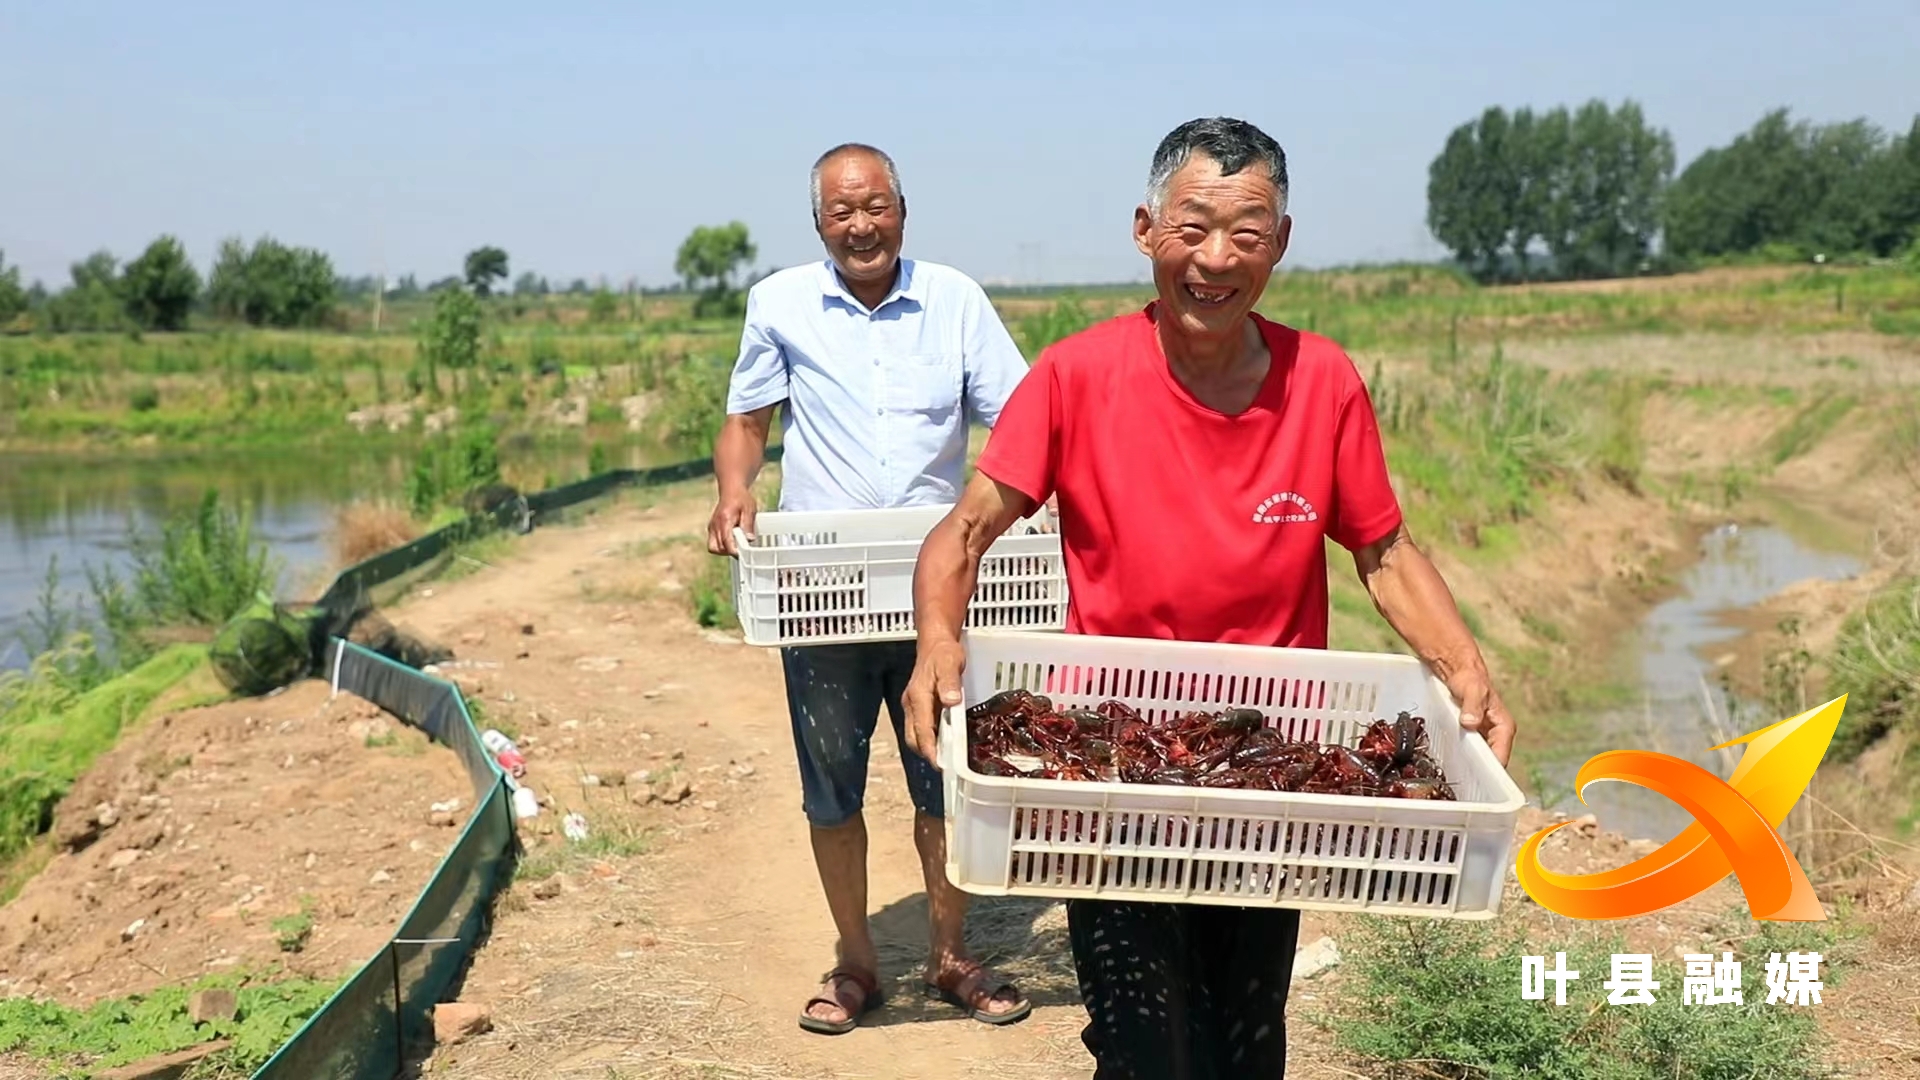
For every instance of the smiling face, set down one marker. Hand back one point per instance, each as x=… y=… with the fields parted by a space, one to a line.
x=1214 y=244
x=861 y=222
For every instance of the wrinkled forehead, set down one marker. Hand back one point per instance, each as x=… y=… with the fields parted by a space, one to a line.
x=853 y=175
x=1199 y=188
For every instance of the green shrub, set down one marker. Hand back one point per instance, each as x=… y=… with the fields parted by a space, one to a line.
x=693 y=403
x=203 y=567
x=444 y=472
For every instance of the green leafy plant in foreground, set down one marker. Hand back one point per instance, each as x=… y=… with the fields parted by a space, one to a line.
x=80 y=1042
x=1430 y=998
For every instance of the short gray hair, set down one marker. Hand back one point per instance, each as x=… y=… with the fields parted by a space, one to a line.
x=1232 y=144
x=813 y=183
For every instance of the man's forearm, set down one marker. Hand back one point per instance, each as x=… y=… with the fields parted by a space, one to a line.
x=739 y=451
x=949 y=564
x=1410 y=594
x=943 y=582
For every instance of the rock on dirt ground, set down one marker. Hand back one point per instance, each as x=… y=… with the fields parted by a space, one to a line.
x=180 y=847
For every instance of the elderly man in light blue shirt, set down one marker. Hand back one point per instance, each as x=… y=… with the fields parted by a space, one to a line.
x=882 y=361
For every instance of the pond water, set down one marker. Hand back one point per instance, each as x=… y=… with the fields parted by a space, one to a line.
x=1681 y=709
x=78 y=512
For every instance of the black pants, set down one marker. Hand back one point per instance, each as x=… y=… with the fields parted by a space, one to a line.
x=1184 y=991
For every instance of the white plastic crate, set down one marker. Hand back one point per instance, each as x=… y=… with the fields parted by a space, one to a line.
x=1115 y=841
x=822 y=577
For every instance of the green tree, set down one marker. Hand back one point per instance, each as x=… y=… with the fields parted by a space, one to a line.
x=1900 y=204
x=1537 y=144
x=161 y=286
x=1587 y=185
x=1834 y=188
x=484 y=266
x=1854 y=167
x=13 y=299
x=92 y=301
x=529 y=284
x=708 y=259
x=451 y=338
x=1607 y=198
x=227 y=288
x=272 y=284
x=1467 y=208
x=603 y=307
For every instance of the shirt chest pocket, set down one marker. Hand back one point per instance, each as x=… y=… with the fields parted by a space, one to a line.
x=920 y=382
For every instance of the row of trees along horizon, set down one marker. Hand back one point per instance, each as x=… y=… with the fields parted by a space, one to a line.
x=1591 y=193
x=1560 y=194
x=277 y=285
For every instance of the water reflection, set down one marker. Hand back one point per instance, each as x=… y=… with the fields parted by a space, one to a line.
x=1682 y=711
x=80 y=510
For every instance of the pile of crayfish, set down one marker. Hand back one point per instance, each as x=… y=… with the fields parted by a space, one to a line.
x=1229 y=749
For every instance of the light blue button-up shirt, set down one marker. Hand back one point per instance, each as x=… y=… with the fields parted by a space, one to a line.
x=878 y=402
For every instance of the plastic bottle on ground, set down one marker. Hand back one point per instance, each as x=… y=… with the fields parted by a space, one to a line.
x=504 y=752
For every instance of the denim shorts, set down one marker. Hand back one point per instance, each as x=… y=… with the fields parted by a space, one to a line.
x=834 y=696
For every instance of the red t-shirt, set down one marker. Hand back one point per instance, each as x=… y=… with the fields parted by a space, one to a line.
x=1178 y=521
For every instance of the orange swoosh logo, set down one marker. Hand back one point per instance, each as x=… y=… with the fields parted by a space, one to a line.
x=1735 y=829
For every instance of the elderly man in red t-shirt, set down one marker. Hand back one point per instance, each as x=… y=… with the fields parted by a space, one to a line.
x=1200 y=454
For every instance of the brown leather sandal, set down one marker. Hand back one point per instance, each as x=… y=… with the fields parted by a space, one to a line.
x=871 y=998
x=970 y=988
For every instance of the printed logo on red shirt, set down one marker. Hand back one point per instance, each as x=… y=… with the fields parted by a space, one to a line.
x=1302 y=510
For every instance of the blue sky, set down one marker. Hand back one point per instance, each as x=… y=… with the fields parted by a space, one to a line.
x=587 y=139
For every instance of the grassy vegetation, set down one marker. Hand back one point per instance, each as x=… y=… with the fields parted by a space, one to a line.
x=1811 y=424
x=1478 y=442
x=51 y=729
x=556 y=369
x=1876 y=662
x=1417 y=305
x=279 y=388
x=1419 y=998
x=77 y=1043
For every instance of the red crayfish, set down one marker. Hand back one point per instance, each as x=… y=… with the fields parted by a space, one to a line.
x=1019 y=733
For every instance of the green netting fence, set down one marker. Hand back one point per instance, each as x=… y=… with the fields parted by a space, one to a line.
x=382 y=1015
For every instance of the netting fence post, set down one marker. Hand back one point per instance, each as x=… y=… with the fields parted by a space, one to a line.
x=399 y=1007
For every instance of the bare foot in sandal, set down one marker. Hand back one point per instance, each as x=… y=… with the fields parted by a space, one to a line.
x=984 y=996
x=845 y=995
